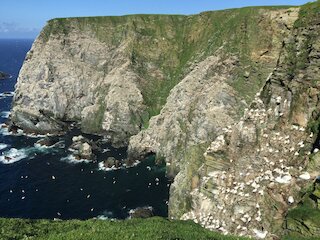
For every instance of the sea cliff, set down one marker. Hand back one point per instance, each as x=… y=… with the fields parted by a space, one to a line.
x=228 y=99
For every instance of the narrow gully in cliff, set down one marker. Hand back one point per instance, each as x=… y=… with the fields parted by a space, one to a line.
x=39 y=181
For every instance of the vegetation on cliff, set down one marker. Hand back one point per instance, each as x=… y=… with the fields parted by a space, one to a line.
x=304 y=220
x=163 y=49
x=257 y=146
x=134 y=229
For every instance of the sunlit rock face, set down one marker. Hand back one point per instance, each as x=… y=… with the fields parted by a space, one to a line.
x=258 y=168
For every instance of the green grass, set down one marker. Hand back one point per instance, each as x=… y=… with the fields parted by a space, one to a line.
x=145 y=229
x=167 y=44
x=304 y=219
x=155 y=228
x=309 y=14
x=297 y=58
x=300 y=238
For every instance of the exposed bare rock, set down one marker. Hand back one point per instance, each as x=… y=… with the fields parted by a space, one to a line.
x=256 y=170
x=200 y=108
x=112 y=74
x=81 y=148
x=64 y=80
x=197 y=107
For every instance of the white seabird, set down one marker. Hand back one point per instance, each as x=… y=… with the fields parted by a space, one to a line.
x=260 y=234
x=305 y=176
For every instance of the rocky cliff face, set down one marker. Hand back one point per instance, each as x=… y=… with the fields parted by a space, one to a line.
x=260 y=167
x=210 y=98
x=111 y=74
x=76 y=77
x=177 y=86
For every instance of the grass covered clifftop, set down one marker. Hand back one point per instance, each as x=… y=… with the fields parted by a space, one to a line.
x=165 y=48
x=135 y=229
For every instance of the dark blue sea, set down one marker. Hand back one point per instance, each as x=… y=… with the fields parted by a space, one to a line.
x=44 y=183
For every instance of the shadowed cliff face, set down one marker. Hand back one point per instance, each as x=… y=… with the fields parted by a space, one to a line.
x=177 y=86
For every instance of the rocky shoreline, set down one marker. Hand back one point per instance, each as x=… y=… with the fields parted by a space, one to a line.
x=81 y=148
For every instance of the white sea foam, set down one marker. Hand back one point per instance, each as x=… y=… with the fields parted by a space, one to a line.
x=4 y=131
x=6 y=94
x=103 y=168
x=5 y=114
x=59 y=144
x=113 y=168
x=33 y=135
x=71 y=159
x=39 y=146
x=3 y=146
x=71 y=150
x=132 y=165
x=42 y=149
x=102 y=217
x=132 y=211
x=13 y=155
x=106 y=215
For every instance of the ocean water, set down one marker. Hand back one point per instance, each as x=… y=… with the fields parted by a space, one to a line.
x=41 y=182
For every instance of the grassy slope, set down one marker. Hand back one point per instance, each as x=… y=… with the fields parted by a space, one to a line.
x=304 y=219
x=162 y=47
x=135 y=229
x=147 y=229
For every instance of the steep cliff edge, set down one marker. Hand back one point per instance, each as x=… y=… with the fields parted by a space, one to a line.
x=268 y=162
x=211 y=97
x=111 y=74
